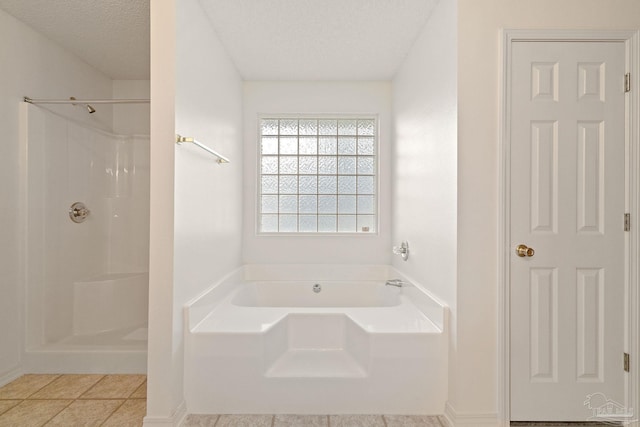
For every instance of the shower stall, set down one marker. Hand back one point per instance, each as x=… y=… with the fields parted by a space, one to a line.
x=85 y=205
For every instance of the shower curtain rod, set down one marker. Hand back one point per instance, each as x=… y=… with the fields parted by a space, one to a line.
x=86 y=101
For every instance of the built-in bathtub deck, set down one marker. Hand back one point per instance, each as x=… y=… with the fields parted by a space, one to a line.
x=314 y=341
x=355 y=347
x=229 y=318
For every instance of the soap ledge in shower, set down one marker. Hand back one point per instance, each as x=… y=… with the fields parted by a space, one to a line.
x=109 y=302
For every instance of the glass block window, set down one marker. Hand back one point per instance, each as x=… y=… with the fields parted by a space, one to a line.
x=318 y=175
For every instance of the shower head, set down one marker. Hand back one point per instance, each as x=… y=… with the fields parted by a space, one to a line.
x=90 y=109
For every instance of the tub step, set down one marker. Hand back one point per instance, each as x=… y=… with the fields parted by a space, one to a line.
x=300 y=363
x=316 y=346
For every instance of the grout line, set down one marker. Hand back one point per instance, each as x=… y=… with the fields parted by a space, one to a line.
x=440 y=421
x=76 y=399
x=136 y=389
x=8 y=409
x=113 y=412
x=60 y=411
x=84 y=400
x=50 y=382
x=90 y=388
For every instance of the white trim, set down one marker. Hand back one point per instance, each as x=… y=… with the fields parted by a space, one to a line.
x=630 y=38
x=504 y=366
x=633 y=111
x=511 y=35
x=11 y=375
x=455 y=419
x=23 y=203
x=176 y=419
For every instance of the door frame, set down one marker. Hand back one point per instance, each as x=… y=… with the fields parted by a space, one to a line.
x=632 y=194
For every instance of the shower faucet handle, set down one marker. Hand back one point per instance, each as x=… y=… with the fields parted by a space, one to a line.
x=402 y=250
x=78 y=212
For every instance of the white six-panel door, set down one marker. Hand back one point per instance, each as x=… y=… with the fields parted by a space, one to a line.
x=567 y=195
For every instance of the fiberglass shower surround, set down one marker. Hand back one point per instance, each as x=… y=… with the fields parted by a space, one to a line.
x=86 y=278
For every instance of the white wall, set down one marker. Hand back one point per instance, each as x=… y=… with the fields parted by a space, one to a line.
x=131 y=119
x=424 y=156
x=129 y=236
x=35 y=67
x=197 y=217
x=208 y=195
x=425 y=161
x=316 y=97
x=479 y=62
x=164 y=378
x=66 y=163
x=127 y=205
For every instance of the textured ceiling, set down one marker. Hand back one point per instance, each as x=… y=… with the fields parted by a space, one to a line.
x=110 y=35
x=267 y=39
x=318 y=39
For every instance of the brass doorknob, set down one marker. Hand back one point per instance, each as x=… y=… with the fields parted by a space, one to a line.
x=523 y=251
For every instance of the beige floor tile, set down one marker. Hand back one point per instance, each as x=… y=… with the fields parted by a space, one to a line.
x=25 y=386
x=245 y=421
x=301 y=421
x=130 y=414
x=67 y=387
x=141 y=392
x=356 y=421
x=5 y=405
x=85 y=413
x=32 y=413
x=556 y=424
x=200 y=420
x=114 y=387
x=412 y=421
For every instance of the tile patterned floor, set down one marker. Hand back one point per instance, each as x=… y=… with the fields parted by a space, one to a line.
x=74 y=400
x=559 y=424
x=120 y=401
x=312 y=421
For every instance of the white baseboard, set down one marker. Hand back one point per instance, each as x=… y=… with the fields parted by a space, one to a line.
x=455 y=419
x=175 y=420
x=7 y=377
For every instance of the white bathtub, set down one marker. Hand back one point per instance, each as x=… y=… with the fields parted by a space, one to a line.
x=356 y=346
x=330 y=294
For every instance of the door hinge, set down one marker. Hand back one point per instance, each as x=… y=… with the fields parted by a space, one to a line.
x=627 y=222
x=627 y=82
x=626 y=362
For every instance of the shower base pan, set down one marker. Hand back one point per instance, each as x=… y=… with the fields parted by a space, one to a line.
x=122 y=351
x=109 y=329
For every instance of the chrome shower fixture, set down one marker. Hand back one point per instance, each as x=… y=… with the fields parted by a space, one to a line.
x=90 y=109
x=73 y=101
x=402 y=250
